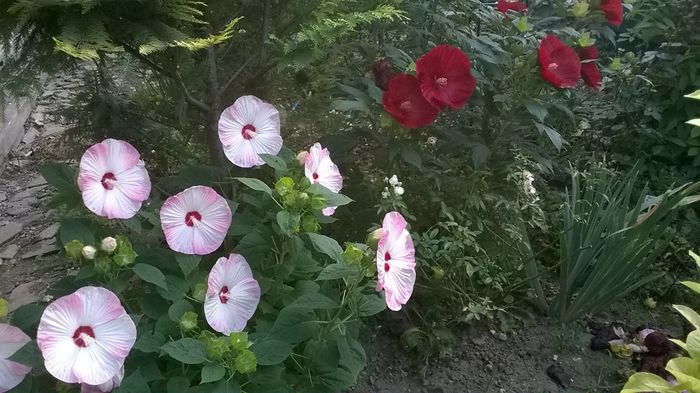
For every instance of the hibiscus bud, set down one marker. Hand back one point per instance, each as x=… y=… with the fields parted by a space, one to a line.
x=353 y=255
x=4 y=308
x=89 y=252
x=398 y=191
x=580 y=9
x=246 y=362
x=200 y=291
x=74 y=249
x=301 y=157
x=239 y=340
x=108 y=244
x=438 y=273
x=309 y=224
x=188 y=321
x=383 y=71
x=650 y=303
x=616 y=64
x=373 y=238
x=522 y=25
x=216 y=347
x=284 y=186
x=103 y=265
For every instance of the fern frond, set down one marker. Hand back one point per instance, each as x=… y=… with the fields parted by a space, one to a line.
x=202 y=43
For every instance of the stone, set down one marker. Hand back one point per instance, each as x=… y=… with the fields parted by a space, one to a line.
x=27 y=194
x=22 y=295
x=48 y=93
x=9 y=231
x=42 y=248
x=36 y=181
x=38 y=118
x=29 y=137
x=49 y=232
x=53 y=129
x=18 y=209
x=3 y=196
x=9 y=252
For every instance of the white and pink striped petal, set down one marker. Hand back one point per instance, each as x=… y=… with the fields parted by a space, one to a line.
x=248 y=128
x=113 y=180
x=195 y=221
x=85 y=336
x=396 y=261
x=11 y=373
x=320 y=169
x=106 y=387
x=232 y=295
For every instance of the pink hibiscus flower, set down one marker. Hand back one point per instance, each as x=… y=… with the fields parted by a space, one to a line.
x=106 y=387
x=248 y=128
x=319 y=168
x=232 y=296
x=195 y=221
x=396 y=261
x=85 y=336
x=113 y=180
x=11 y=373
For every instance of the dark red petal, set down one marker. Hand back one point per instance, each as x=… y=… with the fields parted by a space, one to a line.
x=559 y=63
x=405 y=88
x=505 y=5
x=613 y=11
x=445 y=77
x=589 y=67
x=383 y=71
x=588 y=53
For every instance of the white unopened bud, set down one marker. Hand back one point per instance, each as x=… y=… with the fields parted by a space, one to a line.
x=301 y=157
x=394 y=181
x=398 y=191
x=89 y=252
x=109 y=244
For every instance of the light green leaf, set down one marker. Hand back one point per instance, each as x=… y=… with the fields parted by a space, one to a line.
x=686 y=372
x=150 y=274
x=696 y=257
x=646 y=382
x=694 y=122
x=695 y=95
x=692 y=345
x=689 y=314
x=692 y=285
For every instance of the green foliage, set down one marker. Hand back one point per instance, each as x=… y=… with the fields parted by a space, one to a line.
x=685 y=370
x=611 y=239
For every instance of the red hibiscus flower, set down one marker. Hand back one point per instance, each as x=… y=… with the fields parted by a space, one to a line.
x=445 y=77
x=404 y=101
x=383 y=71
x=612 y=10
x=559 y=64
x=589 y=68
x=516 y=5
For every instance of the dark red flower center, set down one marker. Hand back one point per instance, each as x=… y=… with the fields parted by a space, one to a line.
x=192 y=218
x=442 y=82
x=248 y=131
x=108 y=180
x=387 y=258
x=84 y=336
x=223 y=295
x=315 y=176
x=406 y=105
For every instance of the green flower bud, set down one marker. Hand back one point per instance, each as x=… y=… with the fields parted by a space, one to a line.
x=74 y=249
x=4 y=308
x=373 y=238
x=302 y=200
x=217 y=348
x=580 y=9
x=246 y=362
x=239 y=341
x=522 y=25
x=650 y=303
x=103 y=265
x=616 y=64
x=284 y=186
x=310 y=224
x=188 y=321
x=585 y=40
x=318 y=202
x=108 y=244
x=353 y=255
x=200 y=291
x=124 y=253
x=438 y=273
x=88 y=252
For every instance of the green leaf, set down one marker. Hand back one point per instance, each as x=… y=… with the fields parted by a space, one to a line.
x=149 y=342
x=552 y=134
x=693 y=345
x=26 y=316
x=178 y=308
x=150 y=274
x=288 y=222
x=646 y=382
x=294 y=325
x=186 y=350
x=331 y=198
x=226 y=387
x=689 y=314
x=61 y=176
x=370 y=305
x=694 y=122
x=326 y=245
x=275 y=162
x=695 y=95
x=350 y=106
x=176 y=288
x=337 y=271
x=270 y=351
x=536 y=109
x=246 y=362
x=255 y=184
x=178 y=384
x=188 y=263
x=411 y=156
x=73 y=229
x=212 y=373
x=133 y=383
x=315 y=301
x=686 y=371
x=29 y=355
x=695 y=286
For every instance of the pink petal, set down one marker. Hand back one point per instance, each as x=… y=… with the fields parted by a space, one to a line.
x=396 y=275
x=97 y=363
x=235 y=274
x=11 y=340
x=243 y=154
x=211 y=231
x=329 y=211
x=11 y=374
